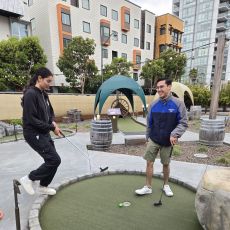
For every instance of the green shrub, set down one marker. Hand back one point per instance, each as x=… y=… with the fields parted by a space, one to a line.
x=176 y=150
x=202 y=149
x=224 y=159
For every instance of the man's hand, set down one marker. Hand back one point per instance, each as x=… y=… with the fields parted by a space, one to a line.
x=173 y=140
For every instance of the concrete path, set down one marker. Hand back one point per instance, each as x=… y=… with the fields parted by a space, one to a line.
x=17 y=159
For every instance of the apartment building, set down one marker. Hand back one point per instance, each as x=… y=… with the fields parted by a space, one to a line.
x=14 y=19
x=204 y=21
x=120 y=28
x=169 y=30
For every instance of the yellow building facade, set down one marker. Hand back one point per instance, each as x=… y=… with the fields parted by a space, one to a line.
x=169 y=30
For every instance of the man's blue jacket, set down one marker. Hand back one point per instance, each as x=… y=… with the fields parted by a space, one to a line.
x=166 y=118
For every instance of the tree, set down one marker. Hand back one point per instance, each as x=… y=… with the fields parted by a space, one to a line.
x=225 y=96
x=193 y=73
x=201 y=95
x=75 y=63
x=152 y=70
x=18 y=60
x=118 y=66
x=174 y=64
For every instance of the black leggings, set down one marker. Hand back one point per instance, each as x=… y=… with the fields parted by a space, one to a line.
x=44 y=146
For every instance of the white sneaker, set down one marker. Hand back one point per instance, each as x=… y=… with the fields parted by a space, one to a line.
x=167 y=190
x=143 y=191
x=46 y=191
x=27 y=185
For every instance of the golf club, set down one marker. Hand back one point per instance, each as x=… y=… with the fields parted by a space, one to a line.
x=83 y=153
x=159 y=203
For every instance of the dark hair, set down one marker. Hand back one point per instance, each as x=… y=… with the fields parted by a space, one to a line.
x=43 y=72
x=167 y=81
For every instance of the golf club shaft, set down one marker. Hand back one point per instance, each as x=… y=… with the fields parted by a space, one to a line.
x=87 y=157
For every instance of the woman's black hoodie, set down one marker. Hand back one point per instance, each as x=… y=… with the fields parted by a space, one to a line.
x=38 y=113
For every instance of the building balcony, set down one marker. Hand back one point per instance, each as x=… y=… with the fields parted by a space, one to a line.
x=11 y=8
x=221 y=26
x=224 y=7
x=223 y=17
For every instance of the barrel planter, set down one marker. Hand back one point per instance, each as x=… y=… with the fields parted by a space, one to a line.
x=101 y=134
x=195 y=112
x=212 y=132
x=2 y=132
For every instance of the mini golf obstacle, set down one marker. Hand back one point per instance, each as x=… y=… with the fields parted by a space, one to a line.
x=107 y=201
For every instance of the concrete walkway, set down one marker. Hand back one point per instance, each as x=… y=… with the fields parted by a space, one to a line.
x=17 y=159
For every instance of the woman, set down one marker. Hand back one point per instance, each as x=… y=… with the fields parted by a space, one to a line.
x=38 y=121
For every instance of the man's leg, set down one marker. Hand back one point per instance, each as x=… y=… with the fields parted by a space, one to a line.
x=166 y=171
x=149 y=173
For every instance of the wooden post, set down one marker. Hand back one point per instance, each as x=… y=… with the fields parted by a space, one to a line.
x=217 y=76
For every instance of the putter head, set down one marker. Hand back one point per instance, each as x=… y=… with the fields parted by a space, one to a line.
x=159 y=203
x=103 y=169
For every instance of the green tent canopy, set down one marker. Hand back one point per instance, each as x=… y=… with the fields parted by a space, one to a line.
x=125 y=85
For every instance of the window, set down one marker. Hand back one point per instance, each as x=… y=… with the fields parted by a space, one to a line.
x=148 y=28
x=115 y=35
x=105 y=32
x=138 y=59
x=30 y=2
x=105 y=53
x=162 y=48
x=86 y=27
x=124 y=55
x=19 y=30
x=75 y=3
x=65 y=19
x=136 y=23
x=135 y=76
x=136 y=42
x=148 y=45
x=103 y=10
x=66 y=42
x=115 y=15
x=124 y=38
x=127 y=18
x=33 y=24
x=162 y=30
x=85 y=4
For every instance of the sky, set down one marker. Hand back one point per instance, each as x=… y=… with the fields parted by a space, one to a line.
x=158 y=7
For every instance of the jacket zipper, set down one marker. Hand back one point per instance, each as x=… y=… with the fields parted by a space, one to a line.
x=45 y=107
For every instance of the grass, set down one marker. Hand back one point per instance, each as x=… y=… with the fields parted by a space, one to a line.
x=202 y=149
x=225 y=159
x=128 y=125
x=176 y=150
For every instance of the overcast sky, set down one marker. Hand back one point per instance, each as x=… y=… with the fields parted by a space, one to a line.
x=156 y=6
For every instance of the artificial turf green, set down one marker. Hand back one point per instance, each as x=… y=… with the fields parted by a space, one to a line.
x=92 y=204
x=128 y=125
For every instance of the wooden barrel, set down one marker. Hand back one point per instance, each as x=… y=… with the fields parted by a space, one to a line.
x=101 y=134
x=2 y=132
x=212 y=132
x=195 y=112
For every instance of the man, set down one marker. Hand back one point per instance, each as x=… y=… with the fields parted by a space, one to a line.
x=166 y=122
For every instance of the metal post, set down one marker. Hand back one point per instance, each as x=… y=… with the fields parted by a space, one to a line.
x=217 y=76
x=17 y=212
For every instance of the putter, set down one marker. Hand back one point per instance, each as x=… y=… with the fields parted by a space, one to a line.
x=159 y=203
x=83 y=153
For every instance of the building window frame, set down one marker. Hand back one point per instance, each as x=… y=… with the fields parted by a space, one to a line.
x=136 y=24
x=148 y=28
x=124 y=38
x=86 y=27
x=127 y=18
x=115 y=15
x=86 y=4
x=114 y=35
x=103 y=10
x=124 y=55
x=135 y=76
x=105 y=53
x=66 y=41
x=148 y=45
x=16 y=29
x=136 y=42
x=65 y=18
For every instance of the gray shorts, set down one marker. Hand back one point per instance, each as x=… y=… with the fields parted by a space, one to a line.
x=153 y=149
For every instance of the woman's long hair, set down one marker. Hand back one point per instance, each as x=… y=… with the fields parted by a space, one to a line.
x=43 y=72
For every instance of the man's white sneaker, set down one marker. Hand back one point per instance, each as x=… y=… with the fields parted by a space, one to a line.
x=27 y=185
x=167 y=190
x=143 y=191
x=46 y=191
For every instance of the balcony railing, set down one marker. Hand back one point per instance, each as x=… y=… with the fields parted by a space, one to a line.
x=222 y=17
x=224 y=6
x=221 y=26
